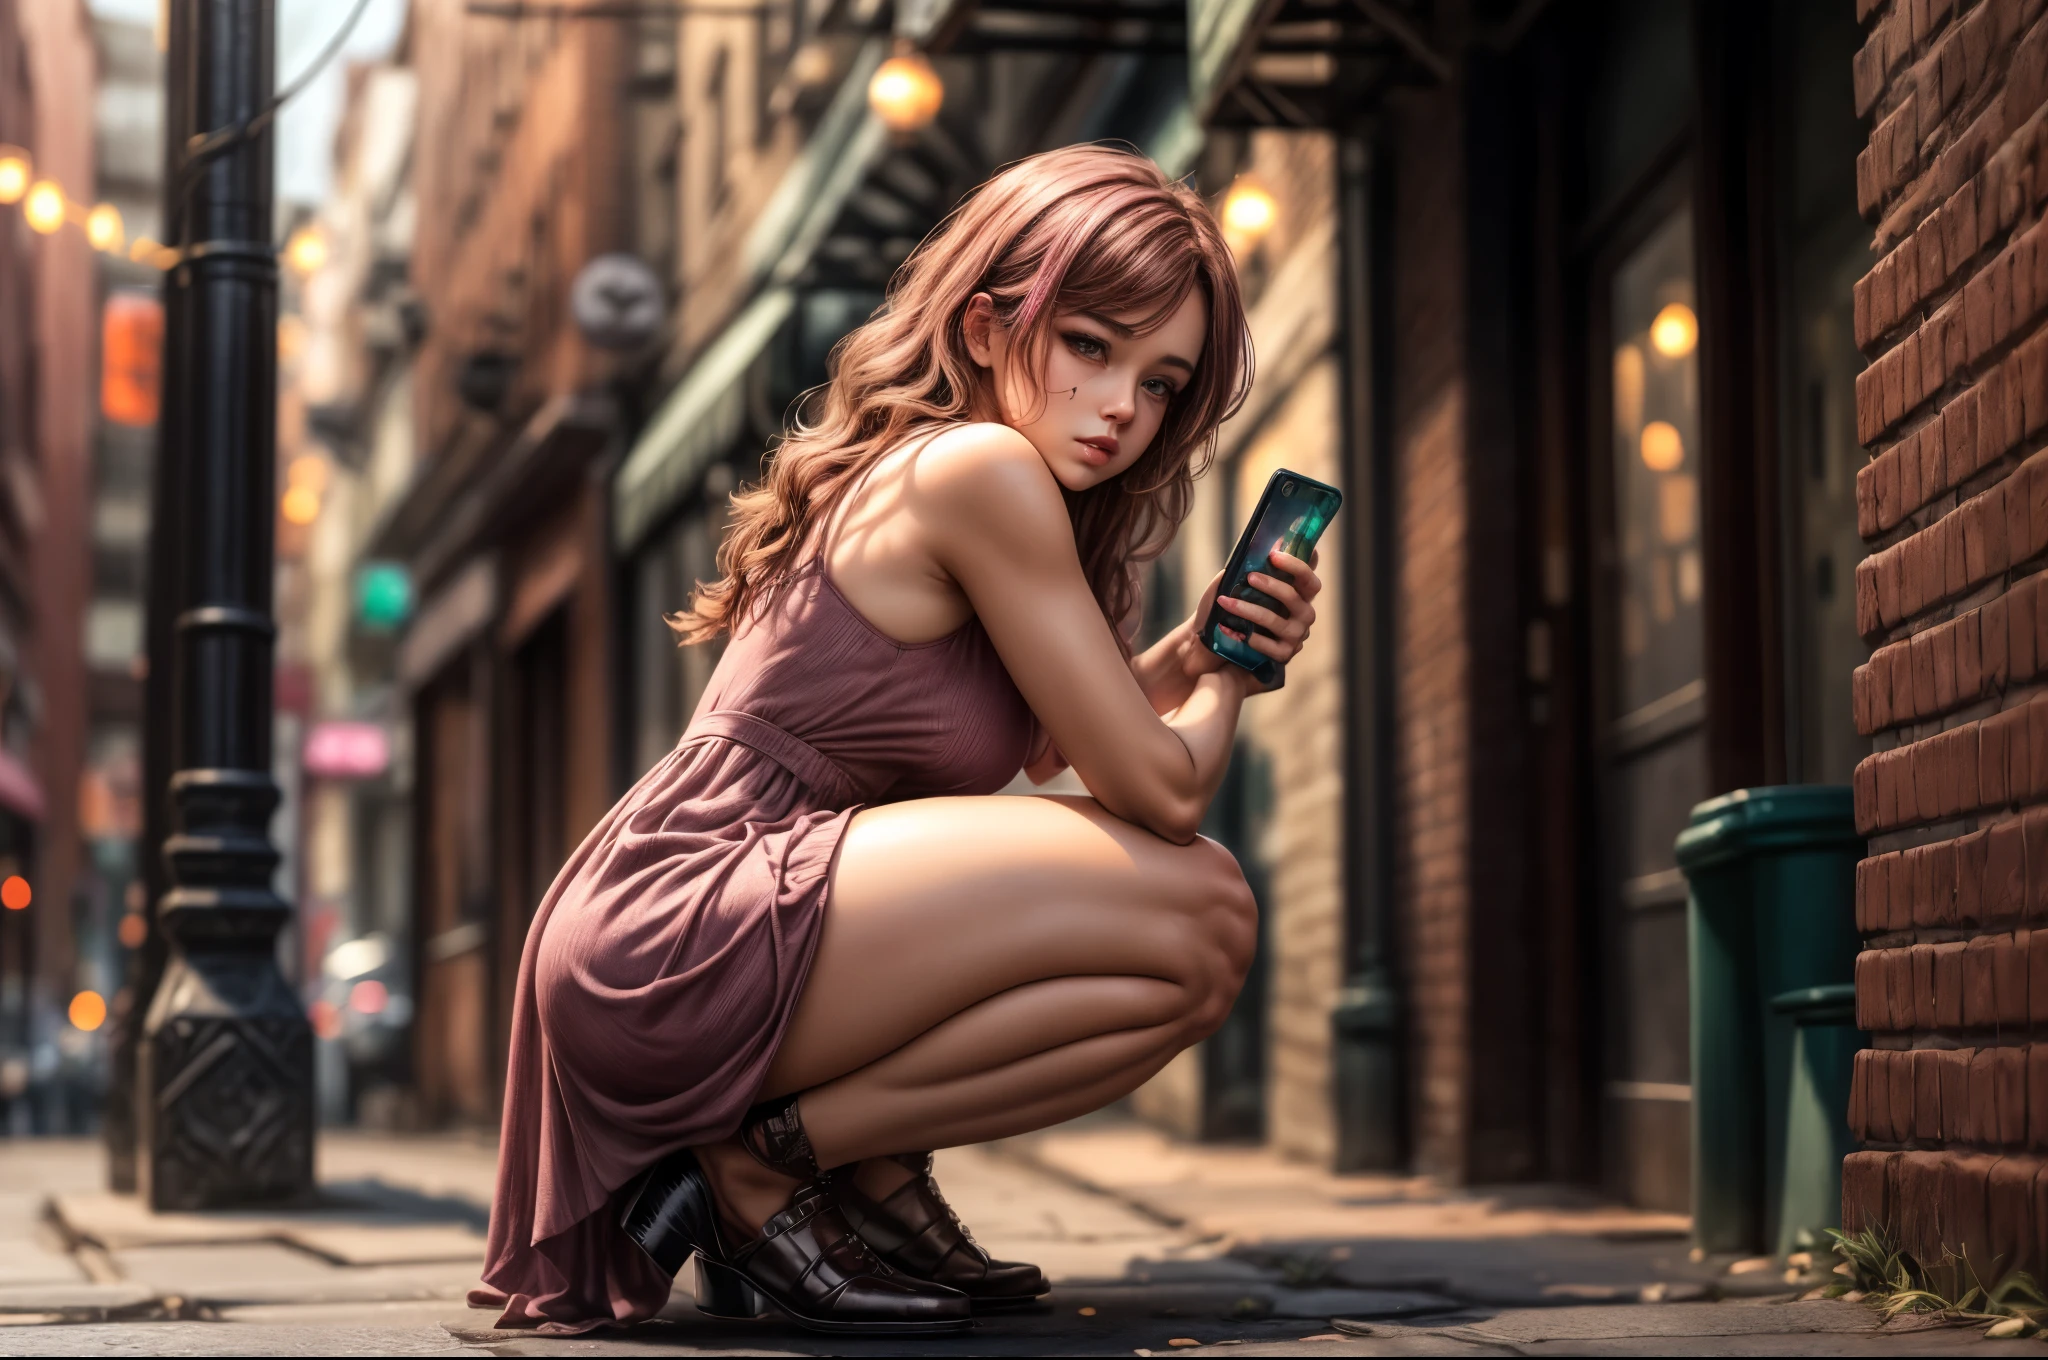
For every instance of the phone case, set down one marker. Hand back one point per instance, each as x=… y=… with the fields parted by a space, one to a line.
x=1291 y=515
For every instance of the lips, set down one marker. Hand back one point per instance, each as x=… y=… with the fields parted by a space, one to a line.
x=1105 y=444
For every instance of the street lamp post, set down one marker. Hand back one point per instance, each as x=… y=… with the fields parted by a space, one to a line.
x=224 y=1102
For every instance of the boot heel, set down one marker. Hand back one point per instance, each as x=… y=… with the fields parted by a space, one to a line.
x=723 y=1292
x=669 y=1213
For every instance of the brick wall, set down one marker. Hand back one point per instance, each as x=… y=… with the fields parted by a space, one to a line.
x=1951 y=1101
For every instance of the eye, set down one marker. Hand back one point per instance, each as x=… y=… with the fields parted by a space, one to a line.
x=1160 y=388
x=1085 y=345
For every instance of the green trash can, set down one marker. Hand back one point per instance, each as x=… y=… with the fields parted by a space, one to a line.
x=1817 y=1137
x=1771 y=910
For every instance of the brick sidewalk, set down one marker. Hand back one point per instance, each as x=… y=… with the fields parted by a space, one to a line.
x=1148 y=1242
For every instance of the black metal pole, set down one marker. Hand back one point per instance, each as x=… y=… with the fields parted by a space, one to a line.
x=224 y=1090
x=144 y=967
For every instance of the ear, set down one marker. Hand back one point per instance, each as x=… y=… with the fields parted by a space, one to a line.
x=977 y=326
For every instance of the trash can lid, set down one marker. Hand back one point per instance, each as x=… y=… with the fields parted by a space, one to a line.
x=1776 y=815
x=1831 y=1004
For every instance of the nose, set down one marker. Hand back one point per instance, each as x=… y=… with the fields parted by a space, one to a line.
x=1120 y=400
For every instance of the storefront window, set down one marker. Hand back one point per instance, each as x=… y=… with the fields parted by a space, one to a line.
x=1657 y=469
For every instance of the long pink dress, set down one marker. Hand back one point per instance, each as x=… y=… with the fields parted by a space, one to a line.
x=663 y=964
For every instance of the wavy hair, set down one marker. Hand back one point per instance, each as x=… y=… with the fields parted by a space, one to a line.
x=1084 y=228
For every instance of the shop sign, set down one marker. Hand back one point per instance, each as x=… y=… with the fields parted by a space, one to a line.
x=347 y=750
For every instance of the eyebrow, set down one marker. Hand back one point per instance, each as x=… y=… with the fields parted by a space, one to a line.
x=1120 y=330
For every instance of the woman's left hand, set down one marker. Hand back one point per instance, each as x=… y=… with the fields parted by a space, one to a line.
x=1289 y=630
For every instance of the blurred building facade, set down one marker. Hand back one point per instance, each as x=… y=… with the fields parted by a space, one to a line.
x=1556 y=290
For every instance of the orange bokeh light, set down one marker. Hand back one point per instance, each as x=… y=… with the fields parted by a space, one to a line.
x=368 y=996
x=133 y=930
x=88 y=1011
x=131 y=356
x=326 y=1019
x=15 y=894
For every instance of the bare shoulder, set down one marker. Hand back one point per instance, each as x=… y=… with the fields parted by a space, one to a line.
x=986 y=480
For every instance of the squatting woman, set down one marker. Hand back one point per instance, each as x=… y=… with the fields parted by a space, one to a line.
x=807 y=947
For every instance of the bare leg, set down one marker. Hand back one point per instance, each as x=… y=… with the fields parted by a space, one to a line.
x=994 y=965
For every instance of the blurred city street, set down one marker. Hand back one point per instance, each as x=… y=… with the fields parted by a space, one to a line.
x=1151 y=1246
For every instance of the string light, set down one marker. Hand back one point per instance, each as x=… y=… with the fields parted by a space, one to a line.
x=13 y=178
x=88 y=1011
x=44 y=206
x=103 y=229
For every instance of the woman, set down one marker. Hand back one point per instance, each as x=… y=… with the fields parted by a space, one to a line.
x=806 y=948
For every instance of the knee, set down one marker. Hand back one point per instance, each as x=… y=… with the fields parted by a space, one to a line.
x=1221 y=921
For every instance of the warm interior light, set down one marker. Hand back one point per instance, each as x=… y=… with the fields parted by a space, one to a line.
x=301 y=505
x=44 y=207
x=1249 y=211
x=1675 y=331
x=1628 y=389
x=131 y=357
x=905 y=92
x=307 y=250
x=88 y=1011
x=1663 y=450
x=14 y=175
x=133 y=930
x=103 y=228
x=15 y=894
x=291 y=338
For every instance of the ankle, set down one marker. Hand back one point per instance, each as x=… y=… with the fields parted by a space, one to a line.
x=880 y=1177
x=747 y=1193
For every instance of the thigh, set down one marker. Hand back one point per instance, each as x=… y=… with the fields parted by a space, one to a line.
x=939 y=903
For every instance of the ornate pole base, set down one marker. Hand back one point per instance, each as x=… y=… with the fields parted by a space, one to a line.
x=225 y=1067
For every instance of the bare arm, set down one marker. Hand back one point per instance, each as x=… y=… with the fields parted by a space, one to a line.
x=996 y=523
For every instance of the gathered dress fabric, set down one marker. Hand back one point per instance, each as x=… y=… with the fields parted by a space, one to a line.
x=663 y=964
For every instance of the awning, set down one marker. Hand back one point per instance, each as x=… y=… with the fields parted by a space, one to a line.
x=1220 y=38
x=698 y=422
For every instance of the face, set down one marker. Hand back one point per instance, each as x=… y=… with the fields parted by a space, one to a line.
x=1099 y=402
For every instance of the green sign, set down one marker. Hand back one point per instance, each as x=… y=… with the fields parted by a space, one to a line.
x=383 y=595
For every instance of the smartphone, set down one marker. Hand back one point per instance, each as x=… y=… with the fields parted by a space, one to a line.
x=1291 y=515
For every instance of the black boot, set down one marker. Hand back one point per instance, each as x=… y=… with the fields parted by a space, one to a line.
x=916 y=1231
x=807 y=1263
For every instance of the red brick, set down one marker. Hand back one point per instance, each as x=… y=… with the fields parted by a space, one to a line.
x=2022 y=635
x=1866 y=1185
x=2005 y=865
x=1900 y=665
x=2037 y=747
x=1859 y=1095
x=1993 y=624
x=2009 y=978
x=1980 y=988
x=2037 y=978
x=1942 y=647
x=2008 y=1202
x=1898 y=1069
x=1886 y=776
x=1949 y=990
x=1912 y=886
x=1966 y=1208
x=1920 y=1203
x=1968 y=632
x=1925 y=780
x=1949 y=533
x=1920 y=572
x=1926 y=1069
x=2037 y=1095
x=1868 y=885
x=1921 y=958
x=2009 y=1076
x=1872 y=1006
x=1864 y=786
x=1908 y=469
x=2036 y=823
x=1889 y=568
x=1971 y=853
x=1898 y=967
x=1922 y=646
x=1997 y=556
x=1944 y=856
x=1991 y=761
x=1956 y=1123
x=1860 y=700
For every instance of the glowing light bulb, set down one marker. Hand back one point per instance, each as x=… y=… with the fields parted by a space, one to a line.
x=14 y=175
x=301 y=505
x=44 y=207
x=15 y=894
x=88 y=1011
x=906 y=92
x=1663 y=450
x=1675 y=331
x=133 y=930
x=1249 y=211
x=103 y=228
x=307 y=250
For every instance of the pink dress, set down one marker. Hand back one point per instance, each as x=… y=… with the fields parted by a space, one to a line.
x=664 y=963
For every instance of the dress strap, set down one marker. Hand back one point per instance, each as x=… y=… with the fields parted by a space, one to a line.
x=826 y=777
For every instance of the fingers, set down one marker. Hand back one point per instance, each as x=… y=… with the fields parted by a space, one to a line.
x=1306 y=583
x=1279 y=623
x=1291 y=599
